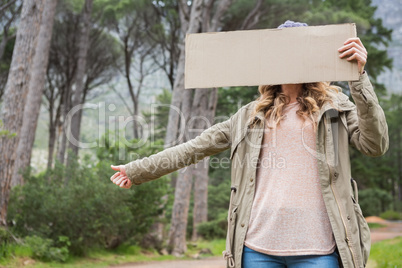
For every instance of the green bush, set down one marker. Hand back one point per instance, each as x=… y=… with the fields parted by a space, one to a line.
x=391 y=215
x=43 y=249
x=82 y=204
x=214 y=229
x=374 y=201
x=4 y=241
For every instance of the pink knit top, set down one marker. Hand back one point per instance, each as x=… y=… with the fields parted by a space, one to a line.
x=288 y=215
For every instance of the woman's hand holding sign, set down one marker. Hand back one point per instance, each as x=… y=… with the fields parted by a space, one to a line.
x=355 y=49
x=120 y=178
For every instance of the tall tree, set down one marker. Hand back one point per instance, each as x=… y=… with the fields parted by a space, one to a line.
x=167 y=36
x=78 y=97
x=213 y=14
x=15 y=95
x=204 y=107
x=134 y=22
x=35 y=91
x=190 y=21
x=100 y=69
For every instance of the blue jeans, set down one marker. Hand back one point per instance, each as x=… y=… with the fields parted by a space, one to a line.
x=254 y=259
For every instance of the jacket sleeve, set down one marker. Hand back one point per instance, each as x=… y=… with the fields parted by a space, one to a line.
x=211 y=141
x=368 y=129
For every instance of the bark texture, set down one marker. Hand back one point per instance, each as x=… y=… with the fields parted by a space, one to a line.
x=35 y=91
x=177 y=233
x=78 y=97
x=15 y=95
x=190 y=24
x=204 y=106
x=182 y=100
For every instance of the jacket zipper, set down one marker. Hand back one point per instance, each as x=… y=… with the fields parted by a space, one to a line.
x=344 y=225
x=340 y=212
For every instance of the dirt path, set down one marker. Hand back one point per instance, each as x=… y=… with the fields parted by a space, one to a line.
x=213 y=262
x=391 y=230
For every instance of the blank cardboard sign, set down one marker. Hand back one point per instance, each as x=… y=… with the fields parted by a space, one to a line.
x=269 y=57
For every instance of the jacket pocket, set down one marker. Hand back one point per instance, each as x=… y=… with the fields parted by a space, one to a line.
x=364 y=232
x=234 y=146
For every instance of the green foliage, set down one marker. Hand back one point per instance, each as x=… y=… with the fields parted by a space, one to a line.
x=387 y=253
x=374 y=201
x=43 y=249
x=374 y=225
x=373 y=34
x=4 y=241
x=215 y=228
x=216 y=246
x=159 y=114
x=82 y=204
x=391 y=215
x=230 y=100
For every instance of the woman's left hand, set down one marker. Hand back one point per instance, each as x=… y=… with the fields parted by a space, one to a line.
x=355 y=49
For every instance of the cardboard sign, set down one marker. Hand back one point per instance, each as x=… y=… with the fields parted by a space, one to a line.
x=269 y=57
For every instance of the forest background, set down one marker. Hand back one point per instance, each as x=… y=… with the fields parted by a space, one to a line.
x=122 y=60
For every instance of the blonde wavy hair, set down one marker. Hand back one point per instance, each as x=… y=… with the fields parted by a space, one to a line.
x=313 y=96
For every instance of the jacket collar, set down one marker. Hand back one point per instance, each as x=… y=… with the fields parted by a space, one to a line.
x=340 y=102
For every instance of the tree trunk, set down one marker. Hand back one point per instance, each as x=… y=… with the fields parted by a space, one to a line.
x=34 y=100
x=3 y=44
x=80 y=75
x=177 y=235
x=178 y=228
x=177 y=232
x=64 y=125
x=15 y=95
x=205 y=106
x=177 y=94
x=179 y=99
x=53 y=126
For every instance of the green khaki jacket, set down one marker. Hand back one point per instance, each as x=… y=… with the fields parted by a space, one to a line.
x=362 y=125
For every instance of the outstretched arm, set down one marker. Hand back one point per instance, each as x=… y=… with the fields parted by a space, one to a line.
x=211 y=141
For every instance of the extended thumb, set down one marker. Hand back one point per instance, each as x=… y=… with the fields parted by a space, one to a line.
x=117 y=168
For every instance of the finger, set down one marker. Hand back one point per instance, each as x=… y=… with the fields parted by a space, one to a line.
x=126 y=184
x=115 y=180
x=123 y=183
x=351 y=51
x=350 y=45
x=354 y=39
x=357 y=57
x=122 y=178
x=115 y=175
x=115 y=167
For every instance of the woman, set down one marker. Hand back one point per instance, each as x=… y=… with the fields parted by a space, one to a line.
x=292 y=202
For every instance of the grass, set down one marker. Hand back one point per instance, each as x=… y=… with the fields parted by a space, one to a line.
x=375 y=225
x=216 y=246
x=19 y=256
x=22 y=256
x=386 y=254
